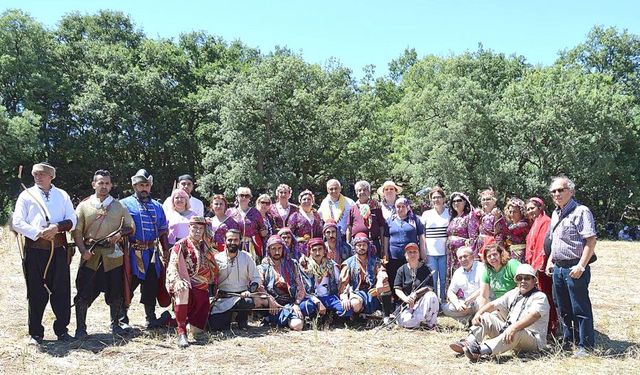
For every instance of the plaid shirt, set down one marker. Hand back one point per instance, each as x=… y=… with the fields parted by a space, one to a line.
x=569 y=237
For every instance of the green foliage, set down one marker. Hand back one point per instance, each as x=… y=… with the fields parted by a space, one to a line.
x=96 y=92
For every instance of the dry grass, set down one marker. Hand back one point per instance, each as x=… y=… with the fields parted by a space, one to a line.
x=615 y=298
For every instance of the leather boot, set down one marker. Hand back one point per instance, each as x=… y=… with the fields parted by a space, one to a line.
x=81 y=319
x=117 y=328
x=150 y=315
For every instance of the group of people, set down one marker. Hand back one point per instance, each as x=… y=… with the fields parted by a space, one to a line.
x=290 y=263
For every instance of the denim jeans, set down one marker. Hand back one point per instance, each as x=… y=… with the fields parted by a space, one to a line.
x=439 y=265
x=574 y=306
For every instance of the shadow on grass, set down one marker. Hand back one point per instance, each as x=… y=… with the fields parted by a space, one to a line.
x=612 y=347
x=94 y=343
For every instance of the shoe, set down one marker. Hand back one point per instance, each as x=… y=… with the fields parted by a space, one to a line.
x=244 y=325
x=81 y=334
x=182 y=341
x=35 y=341
x=459 y=346
x=65 y=337
x=581 y=353
x=472 y=351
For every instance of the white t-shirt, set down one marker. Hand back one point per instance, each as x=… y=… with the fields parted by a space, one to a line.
x=464 y=283
x=435 y=231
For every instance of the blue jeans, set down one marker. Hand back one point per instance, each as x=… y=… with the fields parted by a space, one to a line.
x=574 y=306
x=438 y=264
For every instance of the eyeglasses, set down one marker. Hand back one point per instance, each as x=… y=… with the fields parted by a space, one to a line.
x=457 y=201
x=266 y=203
x=486 y=199
x=244 y=195
x=524 y=278
x=558 y=191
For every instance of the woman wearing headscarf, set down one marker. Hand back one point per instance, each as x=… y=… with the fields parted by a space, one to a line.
x=388 y=194
x=178 y=214
x=535 y=255
x=462 y=229
x=518 y=228
x=492 y=223
x=221 y=222
x=252 y=227
x=305 y=223
x=400 y=229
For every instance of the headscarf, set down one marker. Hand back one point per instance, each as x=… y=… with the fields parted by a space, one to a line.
x=411 y=217
x=313 y=268
x=517 y=202
x=452 y=211
x=290 y=252
x=362 y=237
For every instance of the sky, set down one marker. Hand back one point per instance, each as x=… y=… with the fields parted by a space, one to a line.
x=358 y=33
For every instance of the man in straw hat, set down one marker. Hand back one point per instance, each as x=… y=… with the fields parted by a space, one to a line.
x=519 y=322
x=43 y=214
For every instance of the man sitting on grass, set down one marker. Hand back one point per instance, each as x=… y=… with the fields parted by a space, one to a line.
x=519 y=322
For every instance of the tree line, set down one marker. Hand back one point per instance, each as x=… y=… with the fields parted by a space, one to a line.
x=96 y=92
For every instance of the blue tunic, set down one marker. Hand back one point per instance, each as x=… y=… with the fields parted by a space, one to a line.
x=401 y=232
x=150 y=222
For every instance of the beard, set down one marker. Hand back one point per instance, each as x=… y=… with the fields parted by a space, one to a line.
x=233 y=248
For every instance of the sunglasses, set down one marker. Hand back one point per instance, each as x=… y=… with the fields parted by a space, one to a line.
x=266 y=203
x=244 y=195
x=457 y=200
x=558 y=191
x=524 y=278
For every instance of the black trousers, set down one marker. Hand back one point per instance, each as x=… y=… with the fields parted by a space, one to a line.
x=392 y=269
x=90 y=284
x=58 y=281
x=222 y=321
x=148 y=286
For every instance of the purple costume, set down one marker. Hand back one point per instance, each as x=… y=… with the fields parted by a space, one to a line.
x=301 y=228
x=462 y=230
x=492 y=224
x=516 y=239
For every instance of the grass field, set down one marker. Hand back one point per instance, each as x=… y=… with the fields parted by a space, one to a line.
x=614 y=292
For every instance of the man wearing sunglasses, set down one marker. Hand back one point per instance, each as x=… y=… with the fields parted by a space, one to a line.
x=516 y=321
x=573 y=239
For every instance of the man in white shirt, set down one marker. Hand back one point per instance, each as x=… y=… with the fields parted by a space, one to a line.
x=186 y=183
x=336 y=206
x=238 y=279
x=464 y=287
x=43 y=214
